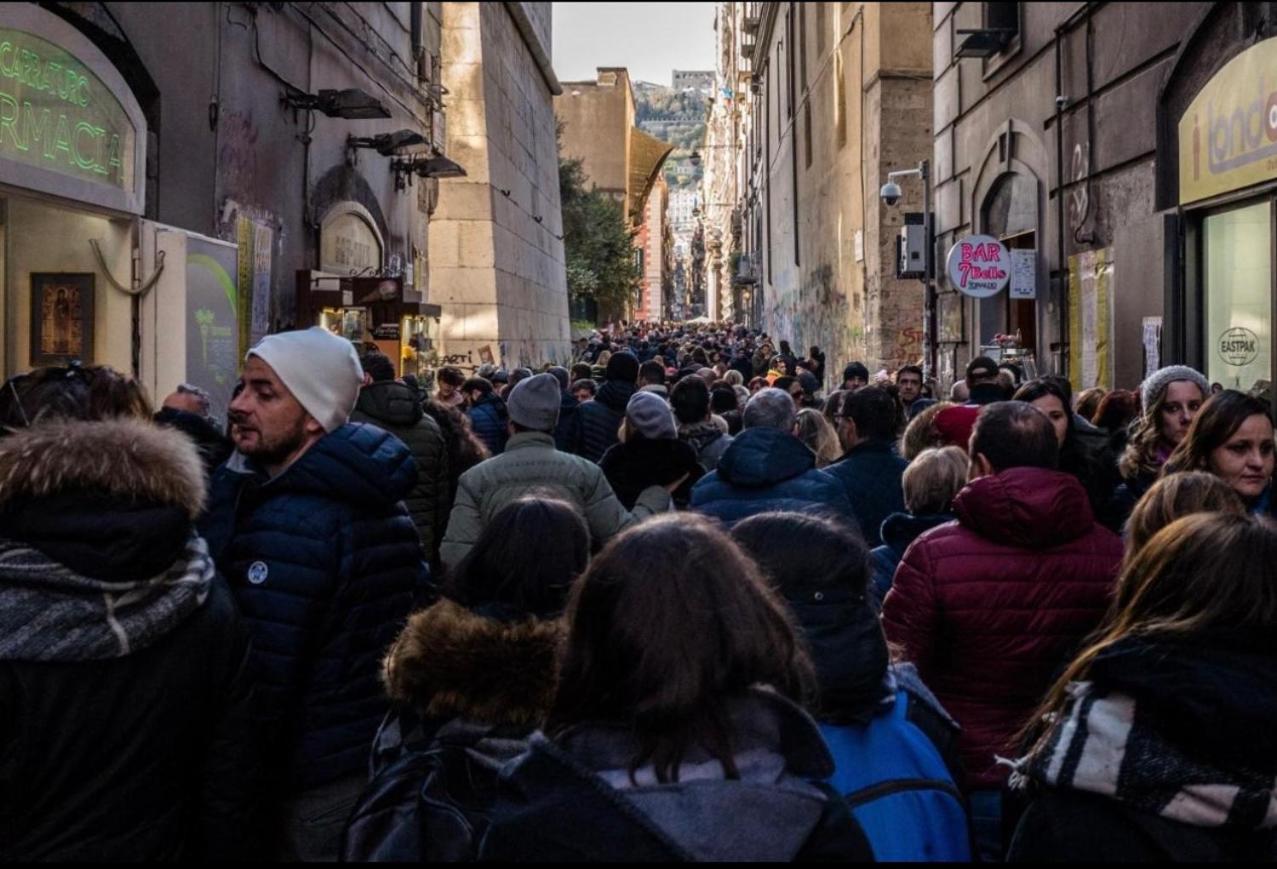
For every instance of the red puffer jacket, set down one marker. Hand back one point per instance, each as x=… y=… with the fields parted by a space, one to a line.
x=990 y=607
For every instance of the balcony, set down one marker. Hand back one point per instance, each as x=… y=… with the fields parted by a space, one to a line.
x=745 y=274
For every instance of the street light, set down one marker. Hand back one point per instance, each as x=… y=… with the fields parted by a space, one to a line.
x=351 y=104
x=891 y=194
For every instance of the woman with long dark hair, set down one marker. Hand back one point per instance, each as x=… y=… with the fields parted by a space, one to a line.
x=676 y=731
x=1157 y=742
x=1232 y=438
x=1096 y=472
x=471 y=677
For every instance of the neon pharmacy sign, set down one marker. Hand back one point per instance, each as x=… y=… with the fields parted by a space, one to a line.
x=1228 y=134
x=57 y=115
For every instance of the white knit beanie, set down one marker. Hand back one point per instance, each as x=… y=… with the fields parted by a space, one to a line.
x=320 y=369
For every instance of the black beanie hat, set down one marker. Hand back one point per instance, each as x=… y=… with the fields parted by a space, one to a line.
x=623 y=367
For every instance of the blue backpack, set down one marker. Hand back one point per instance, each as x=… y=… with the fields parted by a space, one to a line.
x=898 y=787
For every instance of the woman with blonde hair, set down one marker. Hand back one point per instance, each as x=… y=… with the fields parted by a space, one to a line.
x=1157 y=742
x=819 y=436
x=1175 y=497
x=921 y=433
x=931 y=482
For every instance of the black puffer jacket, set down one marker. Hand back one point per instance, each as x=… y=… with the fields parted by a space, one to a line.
x=633 y=466
x=325 y=565
x=598 y=422
x=396 y=408
x=126 y=737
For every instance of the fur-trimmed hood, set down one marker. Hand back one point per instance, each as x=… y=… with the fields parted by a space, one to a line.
x=451 y=662
x=127 y=458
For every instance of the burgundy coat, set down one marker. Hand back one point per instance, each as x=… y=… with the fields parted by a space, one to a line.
x=990 y=607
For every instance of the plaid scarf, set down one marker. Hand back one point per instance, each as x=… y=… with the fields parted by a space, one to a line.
x=1105 y=743
x=51 y=613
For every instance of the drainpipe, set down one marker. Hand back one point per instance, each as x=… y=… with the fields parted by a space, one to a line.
x=1062 y=287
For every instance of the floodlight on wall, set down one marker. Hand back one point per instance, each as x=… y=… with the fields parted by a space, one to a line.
x=984 y=42
x=421 y=166
x=386 y=144
x=352 y=104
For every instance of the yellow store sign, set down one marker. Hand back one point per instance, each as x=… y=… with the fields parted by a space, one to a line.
x=1228 y=134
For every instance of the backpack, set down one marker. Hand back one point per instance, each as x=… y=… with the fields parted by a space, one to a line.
x=898 y=787
x=429 y=800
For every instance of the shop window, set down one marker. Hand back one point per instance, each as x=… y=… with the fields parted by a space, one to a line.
x=1237 y=279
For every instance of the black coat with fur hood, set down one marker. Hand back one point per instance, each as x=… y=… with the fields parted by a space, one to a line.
x=124 y=694
x=471 y=690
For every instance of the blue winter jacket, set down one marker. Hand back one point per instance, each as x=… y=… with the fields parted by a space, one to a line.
x=488 y=420
x=871 y=473
x=325 y=564
x=898 y=531
x=896 y=781
x=767 y=469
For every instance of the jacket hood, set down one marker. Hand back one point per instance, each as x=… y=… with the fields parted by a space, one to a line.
x=767 y=814
x=615 y=395
x=849 y=651
x=901 y=529
x=450 y=662
x=391 y=402
x=128 y=459
x=1026 y=508
x=760 y=457
x=357 y=463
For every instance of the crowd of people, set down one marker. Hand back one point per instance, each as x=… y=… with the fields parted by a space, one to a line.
x=679 y=601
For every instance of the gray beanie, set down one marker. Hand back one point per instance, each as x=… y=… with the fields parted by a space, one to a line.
x=534 y=403
x=651 y=416
x=1155 y=384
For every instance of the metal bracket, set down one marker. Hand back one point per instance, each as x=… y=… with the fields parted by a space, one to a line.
x=144 y=287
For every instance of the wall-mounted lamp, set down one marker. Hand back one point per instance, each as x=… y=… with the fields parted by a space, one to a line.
x=351 y=104
x=423 y=167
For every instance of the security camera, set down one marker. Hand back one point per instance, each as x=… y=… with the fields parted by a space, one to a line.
x=890 y=193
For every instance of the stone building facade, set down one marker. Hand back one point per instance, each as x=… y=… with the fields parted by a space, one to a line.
x=1066 y=129
x=839 y=95
x=496 y=245
x=228 y=176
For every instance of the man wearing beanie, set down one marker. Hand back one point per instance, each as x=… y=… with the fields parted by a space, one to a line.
x=306 y=523
x=599 y=421
x=649 y=453
x=531 y=464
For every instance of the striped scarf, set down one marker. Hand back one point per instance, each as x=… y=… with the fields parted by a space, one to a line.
x=50 y=613
x=1104 y=744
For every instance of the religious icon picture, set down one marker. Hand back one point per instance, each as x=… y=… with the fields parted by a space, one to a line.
x=61 y=318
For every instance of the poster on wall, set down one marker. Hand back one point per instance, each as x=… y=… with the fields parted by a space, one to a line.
x=1091 y=319
x=262 y=241
x=212 y=320
x=1152 y=344
x=1024 y=274
x=949 y=320
x=61 y=318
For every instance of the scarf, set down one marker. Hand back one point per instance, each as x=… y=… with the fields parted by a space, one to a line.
x=48 y=612
x=1109 y=743
x=699 y=434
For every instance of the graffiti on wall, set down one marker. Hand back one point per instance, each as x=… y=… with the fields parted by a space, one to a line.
x=817 y=313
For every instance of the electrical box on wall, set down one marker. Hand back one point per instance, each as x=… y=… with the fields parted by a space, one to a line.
x=911 y=252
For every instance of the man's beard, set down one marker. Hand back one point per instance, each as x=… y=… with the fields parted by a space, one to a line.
x=276 y=448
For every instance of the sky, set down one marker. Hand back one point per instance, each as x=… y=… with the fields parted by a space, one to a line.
x=650 y=39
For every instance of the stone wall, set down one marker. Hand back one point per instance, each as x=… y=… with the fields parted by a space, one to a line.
x=496 y=260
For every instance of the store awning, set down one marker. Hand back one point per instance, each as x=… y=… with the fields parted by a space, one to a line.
x=647 y=156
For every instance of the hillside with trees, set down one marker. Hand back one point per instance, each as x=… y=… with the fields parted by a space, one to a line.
x=677 y=117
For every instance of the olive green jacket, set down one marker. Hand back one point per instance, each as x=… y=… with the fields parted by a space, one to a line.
x=531 y=465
